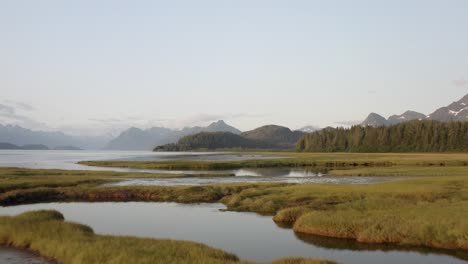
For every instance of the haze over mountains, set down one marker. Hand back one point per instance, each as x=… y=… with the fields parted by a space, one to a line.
x=147 y=139
x=22 y=136
x=272 y=136
x=456 y=111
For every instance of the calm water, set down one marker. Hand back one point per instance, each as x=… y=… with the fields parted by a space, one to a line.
x=16 y=256
x=248 y=235
x=67 y=160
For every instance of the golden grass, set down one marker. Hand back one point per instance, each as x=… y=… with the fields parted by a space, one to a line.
x=294 y=159
x=21 y=178
x=47 y=233
x=423 y=171
x=421 y=211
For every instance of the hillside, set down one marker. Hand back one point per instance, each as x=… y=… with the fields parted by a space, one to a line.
x=210 y=140
x=413 y=136
x=4 y=145
x=147 y=139
x=456 y=111
x=266 y=137
x=21 y=136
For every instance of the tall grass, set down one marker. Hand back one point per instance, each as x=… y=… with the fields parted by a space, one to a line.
x=292 y=159
x=47 y=233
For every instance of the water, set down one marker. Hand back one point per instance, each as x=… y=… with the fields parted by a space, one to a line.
x=16 y=256
x=248 y=235
x=67 y=160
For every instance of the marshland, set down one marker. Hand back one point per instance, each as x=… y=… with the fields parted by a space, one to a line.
x=416 y=212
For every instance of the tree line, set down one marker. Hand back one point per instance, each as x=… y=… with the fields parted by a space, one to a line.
x=413 y=136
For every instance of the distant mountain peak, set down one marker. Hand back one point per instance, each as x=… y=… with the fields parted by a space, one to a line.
x=138 y=139
x=375 y=120
x=309 y=129
x=456 y=111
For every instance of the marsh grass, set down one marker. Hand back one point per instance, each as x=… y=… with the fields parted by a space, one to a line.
x=294 y=159
x=47 y=233
x=418 y=211
x=403 y=171
x=22 y=178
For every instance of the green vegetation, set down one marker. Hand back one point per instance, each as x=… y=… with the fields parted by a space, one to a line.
x=212 y=140
x=418 y=211
x=402 y=171
x=414 y=136
x=46 y=233
x=428 y=211
x=265 y=137
x=292 y=159
x=19 y=178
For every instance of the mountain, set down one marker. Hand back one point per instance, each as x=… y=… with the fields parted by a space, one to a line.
x=456 y=111
x=265 y=137
x=66 y=148
x=309 y=129
x=139 y=139
x=375 y=120
x=35 y=147
x=412 y=136
x=221 y=126
x=406 y=116
x=209 y=140
x=21 y=136
x=4 y=145
x=277 y=136
x=147 y=139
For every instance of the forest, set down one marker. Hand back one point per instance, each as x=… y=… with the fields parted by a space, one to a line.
x=413 y=136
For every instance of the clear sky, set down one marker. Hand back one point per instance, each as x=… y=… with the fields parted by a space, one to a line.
x=96 y=66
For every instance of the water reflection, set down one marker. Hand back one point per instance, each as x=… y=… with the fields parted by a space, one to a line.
x=350 y=244
x=248 y=235
x=15 y=256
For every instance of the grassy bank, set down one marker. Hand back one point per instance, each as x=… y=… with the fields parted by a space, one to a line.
x=19 y=178
x=422 y=171
x=293 y=159
x=421 y=211
x=47 y=233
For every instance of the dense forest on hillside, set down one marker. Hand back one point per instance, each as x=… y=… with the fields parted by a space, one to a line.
x=265 y=137
x=211 y=140
x=414 y=136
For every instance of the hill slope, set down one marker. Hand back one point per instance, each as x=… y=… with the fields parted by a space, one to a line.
x=266 y=137
x=413 y=136
x=456 y=111
x=147 y=139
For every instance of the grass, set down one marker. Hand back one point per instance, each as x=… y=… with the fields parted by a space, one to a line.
x=428 y=211
x=19 y=178
x=47 y=233
x=419 y=211
x=293 y=159
x=402 y=171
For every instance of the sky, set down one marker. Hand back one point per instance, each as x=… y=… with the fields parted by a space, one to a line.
x=90 y=67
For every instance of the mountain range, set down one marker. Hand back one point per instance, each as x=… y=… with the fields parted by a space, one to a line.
x=456 y=111
x=265 y=137
x=22 y=136
x=147 y=139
